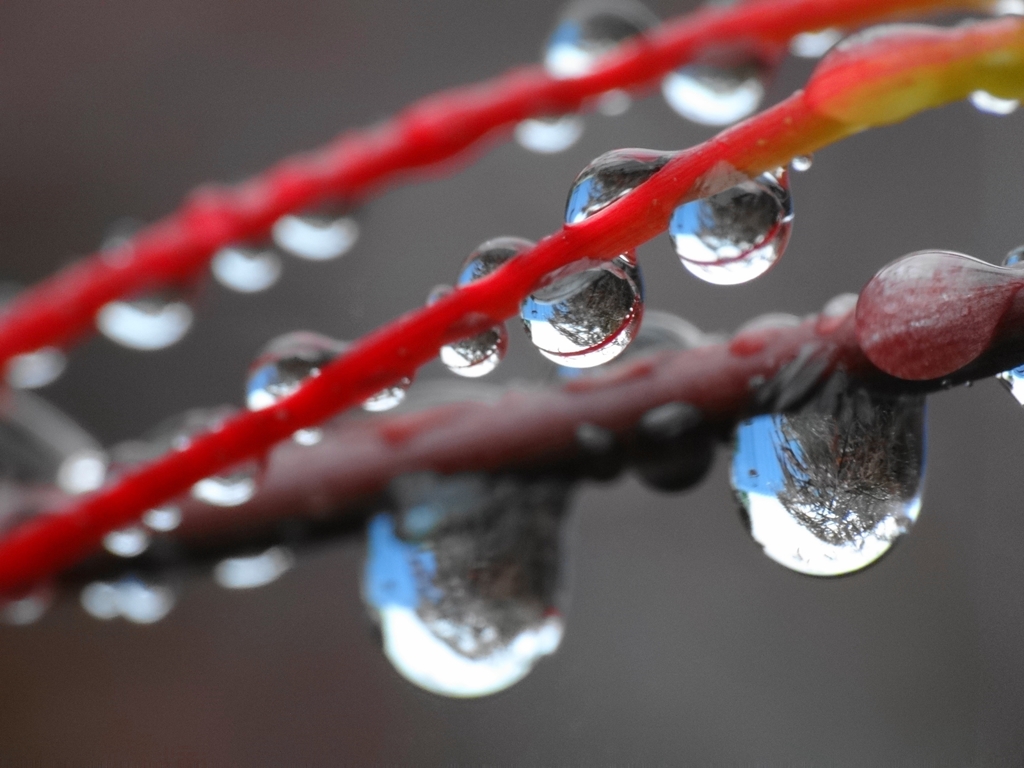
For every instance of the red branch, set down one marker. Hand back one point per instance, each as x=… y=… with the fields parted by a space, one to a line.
x=798 y=125
x=434 y=130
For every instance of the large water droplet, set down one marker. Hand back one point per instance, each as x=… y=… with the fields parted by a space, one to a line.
x=316 y=237
x=736 y=235
x=32 y=370
x=609 y=177
x=255 y=570
x=814 y=45
x=718 y=89
x=150 y=322
x=463 y=580
x=591 y=29
x=246 y=269
x=984 y=101
x=549 y=135
x=588 y=317
x=828 y=490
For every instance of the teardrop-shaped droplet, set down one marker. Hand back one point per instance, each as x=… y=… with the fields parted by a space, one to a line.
x=984 y=101
x=549 y=135
x=155 y=321
x=828 y=490
x=31 y=370
x=246 y=269
x=590 y=29
x=463 y=579
x=609 y=177
x=254 y=570
x=587 y=317
x=718 y=89
x=127 y=542
x=736 y=235
x=315 y=237
x=814 y=45
x=284 y=364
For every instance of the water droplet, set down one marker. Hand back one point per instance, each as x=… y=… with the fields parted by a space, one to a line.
x=1014 y=257
x=589 y=30
x=841 y=305
x=231 y=488
x=284 y=364
x=162 y=519
x=736 y=235
x=802 y=163
x=316 y=237
x=985 y=102
x=1008 y=8
x=99 y=599
x=719 y=90
x=672 y=448
x=83 y=471
x=1013 y=380
x=614 y=103
x=814 y=45
x=388 y=398
x=549 y=135
x=146 y=323
x=29 y=608
x=828 y=490
x=127 y=542
x=463 y=579
x=32 y=370
x=138 y=601
x=588 y=317
x=308 y=437
x=255 y=570
x=246 y=269
x=611 y=176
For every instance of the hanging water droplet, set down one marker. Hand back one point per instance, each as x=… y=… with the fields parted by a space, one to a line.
x=127 y=542
x=802 y=163
x=32 y=370
x=29 y=608
x=590 y=29
x=985 y=102
x=83 y=471
x=308 y=437
x=611 y=176
x=255 y=570
x=736 y=235
x=672 y=448
x=588 y=317
x=828 y=490
x=284 y=364
x=162 y=519
x=549 y=135
x=150 y=322
x=719 y=89
x=814 y=45
x=231 y=488
x=316 y=237
x=246 y=269
x=138 y=601
x=463 y=579
x=1013 y=380
x=388 y=398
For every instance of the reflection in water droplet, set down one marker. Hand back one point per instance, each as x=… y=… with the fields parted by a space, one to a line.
x=127 y=542
x=984 y=101
x=802 y=163
x=138 y=601
x=316 y=237
x=736 y=235
x=388 y=398
x=827 y=490
x=162 y=519
x=146 y=323
x=549 y=135
x=717 y=92
x=83 y=471
x=611 y=176
x=246 y=269
x=284 y=364
x=589 y=30
x=32 y=370
x=255 y=570
x=814 y=45
x=463 y=579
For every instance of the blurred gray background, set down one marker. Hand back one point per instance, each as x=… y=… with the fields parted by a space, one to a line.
x=684 y=644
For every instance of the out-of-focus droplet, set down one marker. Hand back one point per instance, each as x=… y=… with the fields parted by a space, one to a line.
x=83 y=471
x=985 y=102
x=549 y=135
x=389 y=397
x=828 y=490
x=127 y=542
x=672 y=447
x=29 y=608
x=284 y=364
x=147 y=323
x=230 y=488
x=99 y=599
x=254 y=570
x=736 y=235
x=162 y=519
x=138 y=601
x=719 y=88
x=316 y=237
x=1013 y=379
x=590 y=29
x=614 y=103
x=611 y=176
x=814 y=45
x=463 y=579
x=1008 y=8
x=802 y=163
x=32 y=370
x=246 y=269
x=308 y=437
